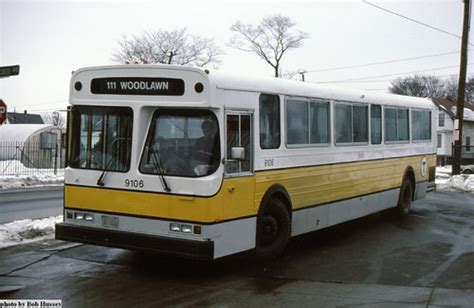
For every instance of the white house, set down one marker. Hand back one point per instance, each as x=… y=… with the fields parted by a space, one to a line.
x=445 y=129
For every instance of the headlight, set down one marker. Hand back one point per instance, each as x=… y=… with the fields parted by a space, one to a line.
x=175 y=227
x=88 y=217
x=186 y=228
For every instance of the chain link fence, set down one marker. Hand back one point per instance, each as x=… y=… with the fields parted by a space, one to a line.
x=31 y=158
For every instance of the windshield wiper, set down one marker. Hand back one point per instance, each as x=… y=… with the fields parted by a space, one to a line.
x=100 y=180
x=155 y=158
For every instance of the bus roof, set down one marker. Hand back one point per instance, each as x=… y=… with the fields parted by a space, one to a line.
x=222 y=80
x=312 y=90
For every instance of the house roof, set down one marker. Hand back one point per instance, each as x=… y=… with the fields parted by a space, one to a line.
x=24 y=118
x=447 y=106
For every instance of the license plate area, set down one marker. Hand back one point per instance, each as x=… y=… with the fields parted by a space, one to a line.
x=110 y=221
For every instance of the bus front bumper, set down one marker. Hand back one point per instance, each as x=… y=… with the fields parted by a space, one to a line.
x=202 y=250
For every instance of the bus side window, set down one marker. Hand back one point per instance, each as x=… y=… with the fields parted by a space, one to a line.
x=269 y=109
x=376 y=124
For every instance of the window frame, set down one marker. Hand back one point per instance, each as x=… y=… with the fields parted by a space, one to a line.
x=411 y=126
x=308 y=101
x=149 y=132
x=76 y=127
x=352 y=143
x=397 y=109
x=279 y=121
x=381 y=124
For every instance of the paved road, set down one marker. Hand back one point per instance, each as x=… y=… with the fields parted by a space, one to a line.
x=425 y=260
x=30 y=203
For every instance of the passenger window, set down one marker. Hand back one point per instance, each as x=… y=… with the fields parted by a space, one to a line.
x=396 y=124
x=343 y=123
x=269 y=109
x=319 y=122
x=421 y=125
x=376 y=124
x=351 y=123
x=297 y=122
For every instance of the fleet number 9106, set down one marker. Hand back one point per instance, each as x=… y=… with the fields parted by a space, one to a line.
x=134 y=183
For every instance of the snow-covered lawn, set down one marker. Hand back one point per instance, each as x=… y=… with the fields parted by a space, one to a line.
x=445 y=182
x=27 y=231
x=13 y=175
x=20 y=181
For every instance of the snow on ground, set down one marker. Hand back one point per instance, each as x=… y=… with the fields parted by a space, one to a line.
x=445 y=182
x=20 y=181
x=13 y=175
x=27 y=231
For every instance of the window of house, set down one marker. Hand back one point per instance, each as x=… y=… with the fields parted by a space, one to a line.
x=441 y=116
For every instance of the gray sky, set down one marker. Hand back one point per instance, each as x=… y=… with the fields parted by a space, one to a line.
x=49 y=39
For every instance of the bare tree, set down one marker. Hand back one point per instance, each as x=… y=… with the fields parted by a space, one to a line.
x=419 y=85
x=452 y=90
x=168 y=47
x=54 y=118
x=269 y=40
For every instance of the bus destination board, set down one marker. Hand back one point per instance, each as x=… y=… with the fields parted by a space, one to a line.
x=137 y=86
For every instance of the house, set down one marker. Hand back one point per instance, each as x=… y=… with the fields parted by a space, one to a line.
x=23 y=118
x=445 y=130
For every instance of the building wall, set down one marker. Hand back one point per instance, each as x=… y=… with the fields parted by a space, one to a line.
x=447 y=134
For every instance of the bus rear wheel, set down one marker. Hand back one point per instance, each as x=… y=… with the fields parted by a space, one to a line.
x=273 y=230
x=405 y=198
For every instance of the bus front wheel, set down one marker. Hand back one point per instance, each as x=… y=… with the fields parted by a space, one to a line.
x=405 y=198
x=273 y=230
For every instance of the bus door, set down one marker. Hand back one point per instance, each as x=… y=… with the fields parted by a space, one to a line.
x=239 y=161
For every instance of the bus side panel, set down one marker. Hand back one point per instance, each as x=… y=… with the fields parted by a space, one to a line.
x=330 y=194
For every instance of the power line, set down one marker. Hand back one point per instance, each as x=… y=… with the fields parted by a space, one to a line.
x=385 y=80
x=412 y=20
x=388 y=75
x=381 y=62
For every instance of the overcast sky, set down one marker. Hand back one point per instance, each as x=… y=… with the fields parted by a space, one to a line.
x=50 y=39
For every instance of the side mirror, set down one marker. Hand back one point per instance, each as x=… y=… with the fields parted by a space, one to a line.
x=238 y=153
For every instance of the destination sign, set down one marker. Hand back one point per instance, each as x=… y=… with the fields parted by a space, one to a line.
x=137 y=86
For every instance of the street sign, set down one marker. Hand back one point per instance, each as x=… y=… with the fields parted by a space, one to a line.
x=11 y=70
x=3 y=112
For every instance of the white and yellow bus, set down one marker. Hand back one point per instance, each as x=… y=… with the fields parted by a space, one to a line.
x=187 y=162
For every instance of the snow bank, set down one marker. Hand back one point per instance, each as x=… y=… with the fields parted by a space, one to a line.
x=445 y=182
x=27 y=231
x=20 y=181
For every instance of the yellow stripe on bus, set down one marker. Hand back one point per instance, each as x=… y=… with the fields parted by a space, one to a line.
x=241 y=196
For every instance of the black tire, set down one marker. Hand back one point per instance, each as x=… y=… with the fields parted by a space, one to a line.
x=273 y=230
x=467 y=171
x=405 y=198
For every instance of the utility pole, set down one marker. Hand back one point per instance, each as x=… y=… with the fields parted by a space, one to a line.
x=461 y=91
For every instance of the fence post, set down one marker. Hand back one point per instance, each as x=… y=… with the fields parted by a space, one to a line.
x=56 y=160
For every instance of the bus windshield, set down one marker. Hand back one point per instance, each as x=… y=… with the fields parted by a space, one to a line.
x=101 y=138
x=182 y=143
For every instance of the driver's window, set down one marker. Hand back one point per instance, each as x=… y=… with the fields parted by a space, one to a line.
x=239 y=128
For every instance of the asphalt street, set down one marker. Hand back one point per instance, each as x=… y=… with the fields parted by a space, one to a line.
x=30 y=203
x=424 y=260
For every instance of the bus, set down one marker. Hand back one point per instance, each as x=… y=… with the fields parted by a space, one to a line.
x=200 y=164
